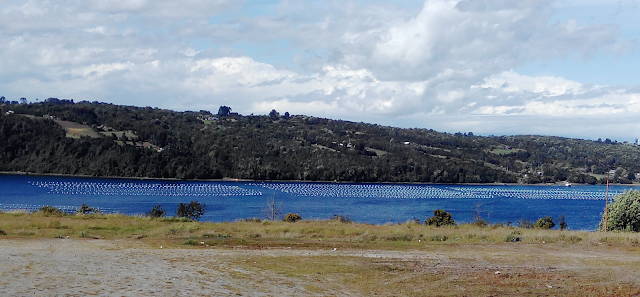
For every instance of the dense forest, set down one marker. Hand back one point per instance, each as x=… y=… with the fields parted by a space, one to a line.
x=100 y=139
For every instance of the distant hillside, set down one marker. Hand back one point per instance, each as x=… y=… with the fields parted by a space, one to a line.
x=99 y=139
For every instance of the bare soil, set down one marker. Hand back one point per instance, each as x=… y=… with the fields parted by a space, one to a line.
x=129 y=267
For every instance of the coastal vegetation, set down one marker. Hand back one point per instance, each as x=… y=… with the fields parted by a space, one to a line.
x=98 y=139
x=293 y=231
x=623 y=214
x=337 y=255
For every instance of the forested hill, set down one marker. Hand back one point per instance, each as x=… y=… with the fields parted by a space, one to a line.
x=99 y=139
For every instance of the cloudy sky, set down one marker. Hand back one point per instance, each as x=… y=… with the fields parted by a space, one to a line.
x=502 y=67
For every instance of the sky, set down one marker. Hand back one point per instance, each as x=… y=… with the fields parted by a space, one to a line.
x=492 y=67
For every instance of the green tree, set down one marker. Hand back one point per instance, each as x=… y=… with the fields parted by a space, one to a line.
x=545 y=223
x=85 y=209
x=274 y=115
x=440 y=218
x=156 y=212
x=224 y=111
x=623 y=213
x=562 y=223
x=193 y=210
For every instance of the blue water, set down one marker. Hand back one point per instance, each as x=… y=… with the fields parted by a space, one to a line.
x=582 y=206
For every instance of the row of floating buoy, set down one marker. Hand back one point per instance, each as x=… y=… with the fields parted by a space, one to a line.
x=35 y=207
x=144 y=189
x=364 y=190
x=410 y=191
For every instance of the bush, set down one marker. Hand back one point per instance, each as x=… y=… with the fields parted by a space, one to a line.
x=50 y=211
x=562 y=223
x=342 y=219
x=156 y=212
x=526 y=224
x=545 y=223
x=513 y=237
x=292 y=217
x=85 y=209
x=440 y=218
x=623 y=213
x=193 y=210
x=252 y=220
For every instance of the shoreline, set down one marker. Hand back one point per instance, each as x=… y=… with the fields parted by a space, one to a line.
x=228 y=179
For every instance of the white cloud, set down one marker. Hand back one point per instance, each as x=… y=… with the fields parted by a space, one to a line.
x=448 y=65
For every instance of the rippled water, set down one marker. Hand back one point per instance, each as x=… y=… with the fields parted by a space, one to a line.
x=369 y=203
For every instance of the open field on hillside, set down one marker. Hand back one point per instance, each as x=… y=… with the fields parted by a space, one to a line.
x=75 y=130
x=123 y=255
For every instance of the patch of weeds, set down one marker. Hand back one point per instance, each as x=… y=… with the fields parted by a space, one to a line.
x=57 y=225
x=342 y=219
x=26 y=233
x=252 y=220
x=254 y=235
x=51 y=211
x=176 y=230
x=514 y=236
x=191 y=242
x=85 y=235
x=369 y=237
x=2 y=232
x=176 y=220
x=220 y=235
x=398 y=237
x=438 y=238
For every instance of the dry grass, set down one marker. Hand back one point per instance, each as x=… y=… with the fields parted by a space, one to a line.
x=301 y=233
x=75 y=130
x=333 y=258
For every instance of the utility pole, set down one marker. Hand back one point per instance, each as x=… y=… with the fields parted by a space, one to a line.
x=606 y=208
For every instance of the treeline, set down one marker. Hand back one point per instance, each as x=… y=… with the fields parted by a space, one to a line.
x=206 y=145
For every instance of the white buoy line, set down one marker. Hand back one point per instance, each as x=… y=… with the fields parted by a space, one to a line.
x=426 y=191
x=144 y=189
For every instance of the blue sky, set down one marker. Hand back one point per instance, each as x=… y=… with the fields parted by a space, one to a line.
x=493 y=67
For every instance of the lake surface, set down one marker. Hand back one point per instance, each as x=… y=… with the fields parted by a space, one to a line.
x=582 y=206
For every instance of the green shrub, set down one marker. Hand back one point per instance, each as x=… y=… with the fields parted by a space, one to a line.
x=439 y=238
x=562 y=223
x=176 y=220
x=207 y=235
x=545 y=223
x=514 y=236
x=156 y=212
x=85 y=209
x=342 y=219
x=193 y=210
x=292 y=217
x=252 y=220
x=440 y=218
x=50 y=211
x=526 y=224
x=623 y=213
x=398 y=237
x=190 y=242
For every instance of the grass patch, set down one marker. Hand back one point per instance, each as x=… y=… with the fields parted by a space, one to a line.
x=339 y=231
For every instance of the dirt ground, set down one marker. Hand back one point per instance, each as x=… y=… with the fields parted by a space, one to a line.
x=81 y=267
